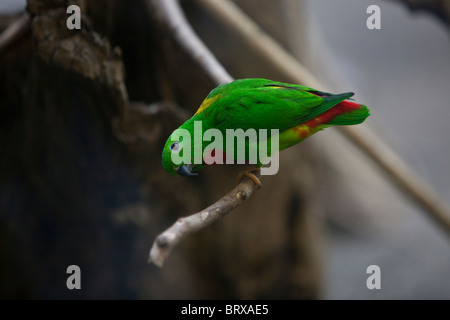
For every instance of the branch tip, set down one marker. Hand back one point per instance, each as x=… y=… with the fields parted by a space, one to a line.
x=162 y=241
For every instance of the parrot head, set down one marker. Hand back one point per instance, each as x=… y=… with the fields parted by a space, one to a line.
x=172 y=148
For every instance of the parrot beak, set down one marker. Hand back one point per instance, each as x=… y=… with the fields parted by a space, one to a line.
x=185 y=171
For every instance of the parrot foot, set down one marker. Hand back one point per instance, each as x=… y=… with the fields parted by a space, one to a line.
x=249 y=174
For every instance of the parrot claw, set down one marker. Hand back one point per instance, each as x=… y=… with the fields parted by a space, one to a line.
x=249 y=174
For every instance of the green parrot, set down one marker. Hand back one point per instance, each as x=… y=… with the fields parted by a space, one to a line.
x=288 y=112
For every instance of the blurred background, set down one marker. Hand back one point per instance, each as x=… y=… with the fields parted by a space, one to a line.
x=85 y=115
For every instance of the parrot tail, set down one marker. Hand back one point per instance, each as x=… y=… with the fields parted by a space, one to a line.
x=337 y=110
x=349 y=113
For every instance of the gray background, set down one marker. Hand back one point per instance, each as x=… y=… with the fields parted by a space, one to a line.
x=402 y=73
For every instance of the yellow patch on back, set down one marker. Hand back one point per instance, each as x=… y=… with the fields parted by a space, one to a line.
x=207 y=103
x=277 y=87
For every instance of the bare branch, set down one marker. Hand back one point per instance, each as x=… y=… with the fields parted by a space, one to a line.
x=15 y=32
x=364 y=138
x=243 y=26
x=167 y=240
x=170 y=13
x=401 y=174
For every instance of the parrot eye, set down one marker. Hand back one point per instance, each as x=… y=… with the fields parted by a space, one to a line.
x=175 y=147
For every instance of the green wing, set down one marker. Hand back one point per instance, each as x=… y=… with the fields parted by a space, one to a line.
x=265 y=104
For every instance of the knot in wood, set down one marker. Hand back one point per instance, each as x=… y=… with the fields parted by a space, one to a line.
x=243 y=195
x=162 y=241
